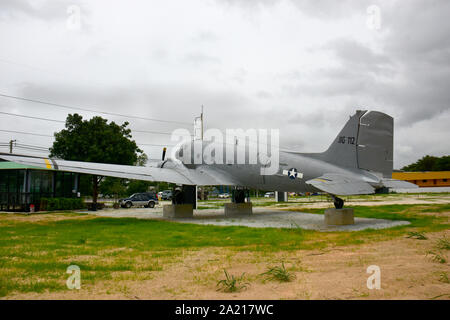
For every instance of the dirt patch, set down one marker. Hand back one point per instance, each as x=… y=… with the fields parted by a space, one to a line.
x=336 y=273
x=41 y=217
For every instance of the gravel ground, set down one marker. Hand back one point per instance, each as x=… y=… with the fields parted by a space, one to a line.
x=261 y=218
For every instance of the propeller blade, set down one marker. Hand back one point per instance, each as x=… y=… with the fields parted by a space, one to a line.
x=164 y=154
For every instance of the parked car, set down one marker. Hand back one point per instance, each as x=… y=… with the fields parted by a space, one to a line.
x=166 y=195
x=224 y=195
x=146 y=199
x=269 y=195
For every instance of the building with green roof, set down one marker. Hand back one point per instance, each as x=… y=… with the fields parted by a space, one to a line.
x=23 y=185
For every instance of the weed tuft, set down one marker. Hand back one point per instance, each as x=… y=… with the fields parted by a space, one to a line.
x=232 y=283
x=443 y=244
x=443 y=277
x=279 y=274
x=437 y=256
x=416 y=235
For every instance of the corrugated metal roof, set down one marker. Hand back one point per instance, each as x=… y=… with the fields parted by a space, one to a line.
x=6 y=165
x=424 y=175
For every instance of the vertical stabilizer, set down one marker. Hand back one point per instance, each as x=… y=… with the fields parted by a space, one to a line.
x=375 y=143
x=365 y=142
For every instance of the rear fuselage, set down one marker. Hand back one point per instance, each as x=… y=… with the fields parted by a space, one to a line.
x=292 y=170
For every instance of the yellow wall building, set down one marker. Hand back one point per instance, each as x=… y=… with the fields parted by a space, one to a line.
x=425 y=178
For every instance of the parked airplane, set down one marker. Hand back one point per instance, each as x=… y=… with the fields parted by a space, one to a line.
x=358 y=161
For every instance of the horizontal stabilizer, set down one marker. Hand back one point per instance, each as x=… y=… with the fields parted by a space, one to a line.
x=338 y=184
x=398 y=184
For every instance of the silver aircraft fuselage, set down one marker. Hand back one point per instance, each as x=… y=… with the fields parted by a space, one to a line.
x=306 y=166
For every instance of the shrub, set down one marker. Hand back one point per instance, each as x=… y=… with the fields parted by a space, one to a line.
x=51 y=204
x=44 y=204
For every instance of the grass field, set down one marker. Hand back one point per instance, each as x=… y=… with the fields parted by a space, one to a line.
x=36 y=250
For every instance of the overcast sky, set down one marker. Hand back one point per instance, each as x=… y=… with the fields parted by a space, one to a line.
x=299 y=66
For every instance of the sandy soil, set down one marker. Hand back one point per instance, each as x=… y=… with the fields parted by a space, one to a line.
x=336 y=273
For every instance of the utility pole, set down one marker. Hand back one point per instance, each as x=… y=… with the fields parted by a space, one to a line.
x=196 y=126
x=201 y=120
x=202 y=195
x=11 y=145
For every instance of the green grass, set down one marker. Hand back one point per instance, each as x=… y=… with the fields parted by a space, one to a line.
x=34 y=255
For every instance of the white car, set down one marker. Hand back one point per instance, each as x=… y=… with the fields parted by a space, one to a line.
x=224 y=195
x=269 y=195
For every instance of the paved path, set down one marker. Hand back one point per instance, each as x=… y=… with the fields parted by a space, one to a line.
x=261 y=218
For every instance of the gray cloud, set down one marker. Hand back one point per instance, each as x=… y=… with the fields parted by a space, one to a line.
x=198 y=58
x=40 y=10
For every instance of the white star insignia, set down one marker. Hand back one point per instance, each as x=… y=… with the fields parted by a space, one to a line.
x=292 y=173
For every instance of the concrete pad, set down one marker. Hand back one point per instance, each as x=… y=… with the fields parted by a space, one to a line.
x=261 y=218
x=339 y=217
x=238 y=209
x=178 y=211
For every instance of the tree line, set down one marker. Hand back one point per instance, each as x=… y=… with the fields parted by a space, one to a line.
x=429 y=163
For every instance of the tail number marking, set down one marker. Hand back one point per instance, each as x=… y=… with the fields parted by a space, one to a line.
x=348 y=140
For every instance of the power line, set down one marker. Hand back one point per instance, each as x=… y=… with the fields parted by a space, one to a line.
x=34 y=146
x=29 y=133
x=61 y=121
x=49 y=136
x=90 y=110
x=30 y=117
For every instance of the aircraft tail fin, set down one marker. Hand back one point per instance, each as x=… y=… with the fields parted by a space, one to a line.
x=365 y=142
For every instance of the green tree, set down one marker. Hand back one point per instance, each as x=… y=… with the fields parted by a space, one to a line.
x=115 y=187
x=138 y=186
x=443 y=164
x=95 y=140
x=429 y=163
x=141 y=160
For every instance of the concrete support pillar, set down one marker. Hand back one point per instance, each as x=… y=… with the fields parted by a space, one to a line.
x=174 y=211
x=281 y=196
x=183 y=204
x=190 y=195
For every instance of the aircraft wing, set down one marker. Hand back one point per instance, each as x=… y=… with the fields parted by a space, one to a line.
x=339 y=184
x=173 y=172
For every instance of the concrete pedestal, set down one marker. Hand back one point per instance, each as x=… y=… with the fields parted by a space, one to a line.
x=339 y=217
x=238 y=209
x=281 y=196
x=172 y=211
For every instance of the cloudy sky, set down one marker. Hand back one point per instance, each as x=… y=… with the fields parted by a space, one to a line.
x=299 y=66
